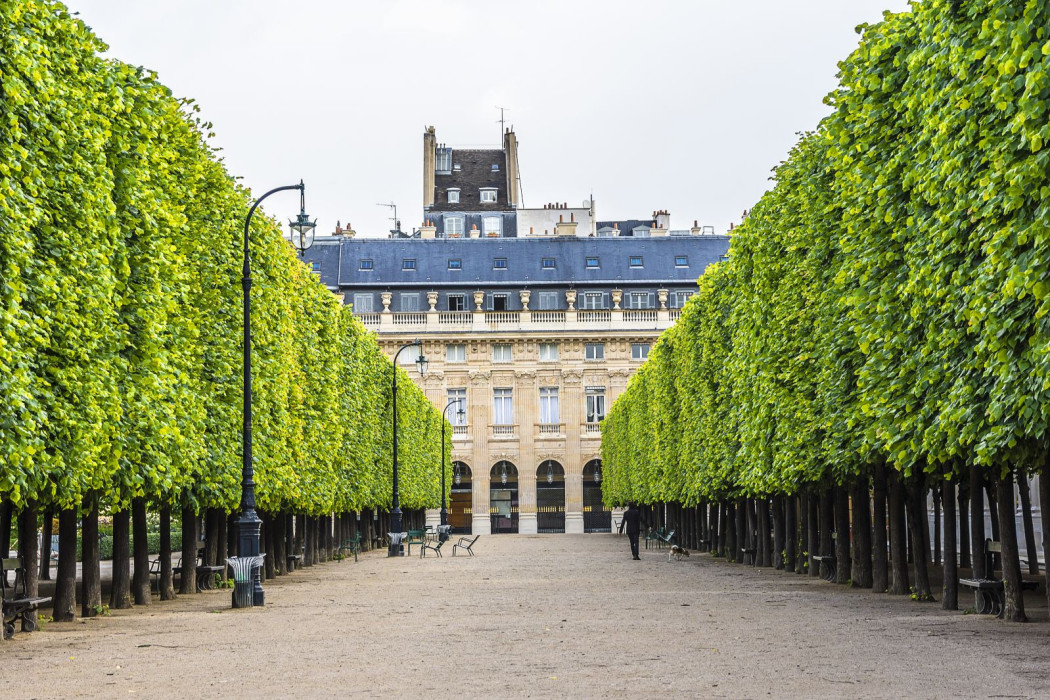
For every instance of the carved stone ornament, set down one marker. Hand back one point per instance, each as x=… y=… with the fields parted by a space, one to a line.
x=432 y=299
x=571 y=376
x=617 y=297
x=479 y=300
x=570 y=298
x=525 y=295
x=386 y=297
x=479 y=377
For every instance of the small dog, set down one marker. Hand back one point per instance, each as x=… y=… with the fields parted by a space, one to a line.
x=677 y=552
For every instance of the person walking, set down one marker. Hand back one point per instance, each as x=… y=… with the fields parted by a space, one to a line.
x=632 y=523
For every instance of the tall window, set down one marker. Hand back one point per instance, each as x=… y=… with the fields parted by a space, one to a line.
x=501 y=352
x=594 y=351
x=639 y=351
x=500 y=302
x=638 y=300
x=455 y=352
x=595 y=404
x=549 y=405
x=453 y=195
x=548 y=352
x=443 y=160
x=593 y=300
x=410 y=302
x=548 y=301
x=363 y=303
x=457 y=302
x=502 y=407
x=455 y=418
x=453 y=225
x=679 y=298
x=491 y=224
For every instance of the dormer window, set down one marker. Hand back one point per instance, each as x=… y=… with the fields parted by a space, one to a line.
x=453 y=195
x=488 y=195
x=495 y=167
x=443 y=161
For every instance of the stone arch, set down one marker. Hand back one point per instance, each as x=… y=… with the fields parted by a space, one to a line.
x=503 y=497
x=550 y=497
x=460 y=507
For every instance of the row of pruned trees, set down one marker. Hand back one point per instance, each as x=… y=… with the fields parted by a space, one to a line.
x=120 y=323
x=880 y=328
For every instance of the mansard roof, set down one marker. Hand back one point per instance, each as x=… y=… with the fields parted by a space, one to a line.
x=339 y=261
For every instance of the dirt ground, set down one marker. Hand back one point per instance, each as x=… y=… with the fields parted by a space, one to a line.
x=539 y=616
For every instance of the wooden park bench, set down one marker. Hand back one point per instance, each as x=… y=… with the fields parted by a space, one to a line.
x=17 y=604
x=465 y=543
x=989 y=594
x=828 y=566
x=415 y=537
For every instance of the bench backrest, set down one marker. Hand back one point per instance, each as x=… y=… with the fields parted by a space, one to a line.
x=412 y=534
x=991 y=548
x=12 y=564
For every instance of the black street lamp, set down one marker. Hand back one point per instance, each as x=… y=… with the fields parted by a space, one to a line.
x=396 y=524
x=459 y=413
x=249 y=524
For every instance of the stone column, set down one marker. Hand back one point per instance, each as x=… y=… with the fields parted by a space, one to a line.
x=573 y=413
x=525 y=415
x=480 y=523
x=573 y=495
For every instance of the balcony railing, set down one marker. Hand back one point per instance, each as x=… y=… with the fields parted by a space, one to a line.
x=410 y=319
x=457 y=317
x=369 y=319
x=675 y=314
x=592 y=428
x=503 y=431
x=502 y=317
x=640 y=315
x=595 y=316
x=549 y=428
x=459 y=431
x=548 y=317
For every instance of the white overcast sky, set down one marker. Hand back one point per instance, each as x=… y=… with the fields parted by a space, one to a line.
x=684 y=106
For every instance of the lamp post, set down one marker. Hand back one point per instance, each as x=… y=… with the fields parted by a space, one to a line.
x=459 y=413
x=249 y=524
x=396 y=525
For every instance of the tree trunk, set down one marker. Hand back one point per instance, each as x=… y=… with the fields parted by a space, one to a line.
x=843 y=566
x=993 y=511
x=723 y=528
x=222 y=535
x=1026 y=518
x=141 y=584
x=741 y=531
x=765 y=546
x=91 y=576
x=779 y=528
x=212 y=519
x=166 y=585
x=309 y=541
x=950 y=585
x=936 y=491
x=827 y=523
x=1044 y=507
x=730 y=549
x=917 y=523
x=289 y=541
x=790 y=532
x=812 y=531
x=977 y=523
x=280 y=538
x=712 y=528
x=861 y=570
x=188 y=578
x=269 y=564
x=29 y=548
x=898 y=537
x=879 y=561
x=1013 y=610
x=45 y=544
x=120 y=591
x=231 y=534
x=964 y=524
x=65 y=598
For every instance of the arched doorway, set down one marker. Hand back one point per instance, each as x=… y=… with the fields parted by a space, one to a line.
x=503 y=497
x=550 y=497
x=596 y=518
x=460 y=509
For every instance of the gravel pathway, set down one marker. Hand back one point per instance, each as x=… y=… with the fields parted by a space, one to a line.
x=541 y=616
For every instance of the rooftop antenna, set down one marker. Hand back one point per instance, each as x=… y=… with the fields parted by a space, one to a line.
x=397 y=222
x=502 y=124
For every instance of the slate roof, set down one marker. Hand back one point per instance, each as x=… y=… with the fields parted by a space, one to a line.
x=475 y=172
x=340 y=261
x=627 y=226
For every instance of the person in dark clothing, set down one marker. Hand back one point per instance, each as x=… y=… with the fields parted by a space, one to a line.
x=632 y=523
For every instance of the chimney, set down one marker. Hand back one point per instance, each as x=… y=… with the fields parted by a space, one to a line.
x=663 y=219
x=510 y=151
x=428 y=230
x=696 y=230
x=429 y=161
x=474 y=232
x=564 y=228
